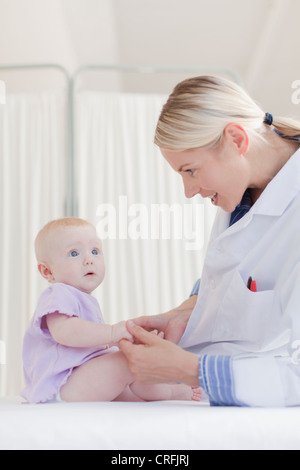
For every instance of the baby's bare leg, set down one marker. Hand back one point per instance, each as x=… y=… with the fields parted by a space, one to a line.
x=128 y=395
x=100 y=379
x=166 y=392
x=108 y=378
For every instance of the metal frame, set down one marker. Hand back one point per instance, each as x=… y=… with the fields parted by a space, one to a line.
x=70 y=204
x=149 y=69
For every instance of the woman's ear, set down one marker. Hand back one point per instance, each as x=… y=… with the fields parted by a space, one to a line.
x=237 y=136
x=45 y=271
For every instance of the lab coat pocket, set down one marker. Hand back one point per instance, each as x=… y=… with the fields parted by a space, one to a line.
x=243 y=316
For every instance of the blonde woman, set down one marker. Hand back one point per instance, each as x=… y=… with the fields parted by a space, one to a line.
x=239 y=335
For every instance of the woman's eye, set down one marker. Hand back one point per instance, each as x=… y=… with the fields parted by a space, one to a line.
x=190 y=171
x=74 y=253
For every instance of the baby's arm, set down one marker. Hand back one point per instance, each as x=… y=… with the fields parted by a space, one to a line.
x=78 y=333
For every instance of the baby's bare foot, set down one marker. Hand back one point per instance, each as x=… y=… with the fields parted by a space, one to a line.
x=197 y=394
x=184 y=392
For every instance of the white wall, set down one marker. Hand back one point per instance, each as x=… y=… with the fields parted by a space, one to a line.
x=257 y=38
x=66 y=32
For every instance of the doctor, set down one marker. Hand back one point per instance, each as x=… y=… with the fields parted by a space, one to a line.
x=239 y=334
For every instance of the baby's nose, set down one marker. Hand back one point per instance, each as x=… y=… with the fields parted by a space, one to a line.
x=88 y=260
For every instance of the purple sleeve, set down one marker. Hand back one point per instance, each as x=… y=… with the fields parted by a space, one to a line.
x=58 y=298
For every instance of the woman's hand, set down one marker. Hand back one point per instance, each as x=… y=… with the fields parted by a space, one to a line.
x=172 y=324
x=156 y=360
x=119 y=331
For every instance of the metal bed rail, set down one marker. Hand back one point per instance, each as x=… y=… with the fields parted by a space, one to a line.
x=69 y=203
x=71 y=82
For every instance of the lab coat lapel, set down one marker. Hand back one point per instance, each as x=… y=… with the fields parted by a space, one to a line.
x=273 y=202
x=281 y=191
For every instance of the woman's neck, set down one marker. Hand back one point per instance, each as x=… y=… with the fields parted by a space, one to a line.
x=267 y=160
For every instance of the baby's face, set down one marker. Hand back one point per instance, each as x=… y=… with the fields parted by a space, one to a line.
x=76 y=258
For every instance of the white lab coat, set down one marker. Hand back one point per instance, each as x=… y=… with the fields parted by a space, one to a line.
x=260 y=330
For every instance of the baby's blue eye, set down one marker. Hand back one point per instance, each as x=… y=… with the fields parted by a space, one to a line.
x=95 y=252
x=74 y=253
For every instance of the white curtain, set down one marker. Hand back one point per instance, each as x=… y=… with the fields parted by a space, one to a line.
x=149 y=270
x=32 y=191
x=122 y=180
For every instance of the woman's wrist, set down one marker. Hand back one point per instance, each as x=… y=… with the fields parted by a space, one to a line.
x=190 y=369
x=185 y=310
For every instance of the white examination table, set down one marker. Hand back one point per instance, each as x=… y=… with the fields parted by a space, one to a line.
x=142 y=426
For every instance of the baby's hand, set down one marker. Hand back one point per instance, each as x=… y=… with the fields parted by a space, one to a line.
x=119 y=331
x=159 y=334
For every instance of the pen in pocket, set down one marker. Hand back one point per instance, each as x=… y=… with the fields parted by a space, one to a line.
x=252 y=285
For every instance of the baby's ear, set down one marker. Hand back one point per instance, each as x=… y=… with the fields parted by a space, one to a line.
x=45 y=271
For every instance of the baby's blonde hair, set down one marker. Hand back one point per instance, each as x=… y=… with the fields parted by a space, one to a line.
x=50 y=228
x=200 y=108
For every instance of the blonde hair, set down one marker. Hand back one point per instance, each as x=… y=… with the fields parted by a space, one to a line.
x=199 y=109
x=49 y=229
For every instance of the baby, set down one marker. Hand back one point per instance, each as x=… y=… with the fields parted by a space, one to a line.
x=69 y=353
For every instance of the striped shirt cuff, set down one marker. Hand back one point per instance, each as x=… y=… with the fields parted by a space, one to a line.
x=216 y=379
x=196 y=288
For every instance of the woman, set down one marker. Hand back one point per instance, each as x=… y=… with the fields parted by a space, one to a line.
x=239 y=335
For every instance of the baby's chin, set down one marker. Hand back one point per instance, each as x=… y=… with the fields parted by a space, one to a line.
x=90 y=284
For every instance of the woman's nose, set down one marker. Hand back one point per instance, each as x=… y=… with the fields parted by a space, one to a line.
x=190 y=191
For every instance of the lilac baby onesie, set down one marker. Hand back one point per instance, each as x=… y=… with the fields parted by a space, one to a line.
x=47 y=364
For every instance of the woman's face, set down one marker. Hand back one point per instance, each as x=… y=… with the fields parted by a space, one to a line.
x=221 y=174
